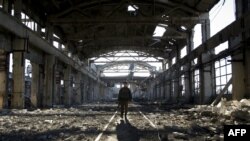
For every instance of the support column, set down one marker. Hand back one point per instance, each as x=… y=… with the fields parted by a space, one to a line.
x=95 y=90
x=164 y=62
x=101 y=96
x=34 y=84
x=18 y=9
x=84 y=84
x=241 y=62
x=176 y=90
x=3 y=79
x=18 y=75
x=91 y=89
x=78 y=88
x=67 y=86
x=49 y=33
x=168 y=90
x=188 y=74
x=177 y=77
x=206 y=83
x=57 y=87
x=238 y=79
x=247 y=71
x=7 y=6
x=49 y=80
x=41 y=91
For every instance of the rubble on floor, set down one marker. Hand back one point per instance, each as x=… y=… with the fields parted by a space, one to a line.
x=171 y=122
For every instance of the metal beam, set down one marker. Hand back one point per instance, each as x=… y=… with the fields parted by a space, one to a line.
x=109 y=62
x=127 y=71
x=121 y=79
x=81 y=37
x=128 y=20
x=137 y=56
x=141 y=63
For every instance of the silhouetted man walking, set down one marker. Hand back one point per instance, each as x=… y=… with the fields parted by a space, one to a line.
x=123 y=98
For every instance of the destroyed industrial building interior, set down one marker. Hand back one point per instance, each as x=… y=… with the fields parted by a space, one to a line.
x=63 y=62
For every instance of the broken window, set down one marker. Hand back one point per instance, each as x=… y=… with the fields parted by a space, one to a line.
x=26 y=20
x=223 y=73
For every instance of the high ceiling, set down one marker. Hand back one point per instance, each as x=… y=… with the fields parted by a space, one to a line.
x=95 y=27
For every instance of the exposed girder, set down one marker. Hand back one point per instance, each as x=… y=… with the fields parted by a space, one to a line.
x=93 y=3
x=127 y=20
x=141 y=63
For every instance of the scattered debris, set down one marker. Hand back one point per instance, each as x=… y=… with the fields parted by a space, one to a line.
x=189 y=122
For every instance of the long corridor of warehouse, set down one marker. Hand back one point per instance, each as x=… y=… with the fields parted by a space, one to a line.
x=65 y=63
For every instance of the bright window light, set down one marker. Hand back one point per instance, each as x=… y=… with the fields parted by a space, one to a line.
x=221 y=47
x=62 y=82
x=11 y=63
x=12 y=12
x=142 y=74
x=159 y=31
x=55 y=44
x=63 y=46
x=132 y=8
x=118 y=86
x=23 y=16
x=173 y=60
x=115 y=74
x=197 y=35
x=43 y=30
x=221 y=15
x=183 y=52
x=195 y=61
x=69 y=54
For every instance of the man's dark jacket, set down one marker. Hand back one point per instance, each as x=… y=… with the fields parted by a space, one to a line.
x=125 y=94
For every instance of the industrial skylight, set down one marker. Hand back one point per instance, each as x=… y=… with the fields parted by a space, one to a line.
x=159 y=31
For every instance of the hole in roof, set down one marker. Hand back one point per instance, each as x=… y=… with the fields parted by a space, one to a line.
x=168 y=49
x=56 y=36
x=183 y=28
x=132 y=8
x=163 y=25
x=159 y=31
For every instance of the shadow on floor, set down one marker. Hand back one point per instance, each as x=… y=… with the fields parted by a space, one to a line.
x=126 y=132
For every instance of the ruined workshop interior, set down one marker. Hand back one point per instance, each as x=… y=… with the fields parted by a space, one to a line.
x=64 y=62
